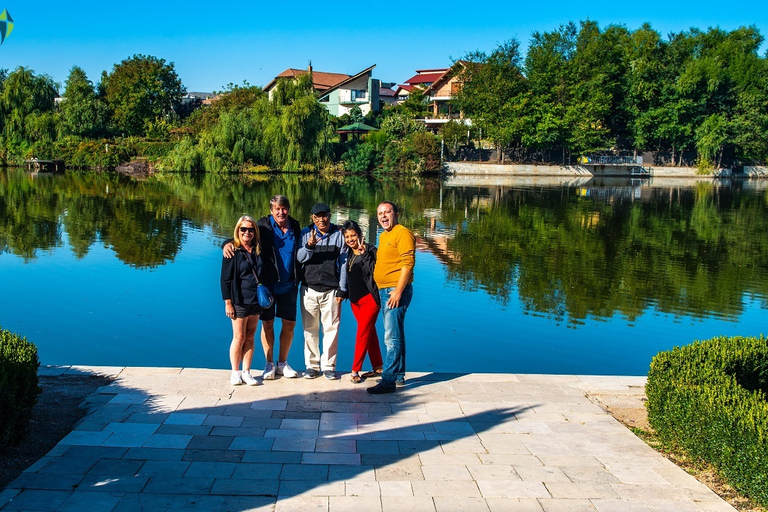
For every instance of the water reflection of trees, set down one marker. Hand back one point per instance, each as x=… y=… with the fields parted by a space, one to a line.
x=693 y=251
x=567 y=252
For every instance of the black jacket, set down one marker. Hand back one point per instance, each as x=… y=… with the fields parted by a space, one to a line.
x=238 y=283
x=366 y=263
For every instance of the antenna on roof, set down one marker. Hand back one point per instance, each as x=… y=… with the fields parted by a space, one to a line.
x=309 y=68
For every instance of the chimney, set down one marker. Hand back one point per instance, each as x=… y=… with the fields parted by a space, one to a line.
x=309 y=68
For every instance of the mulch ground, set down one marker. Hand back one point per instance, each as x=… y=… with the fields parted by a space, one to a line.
x=53 y=417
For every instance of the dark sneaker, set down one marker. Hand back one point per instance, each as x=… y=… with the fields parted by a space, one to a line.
x=311 y=373
x=400 y=380
x=329 y=374
x=381 y=388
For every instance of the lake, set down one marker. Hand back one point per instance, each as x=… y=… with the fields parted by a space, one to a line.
x=561 y=277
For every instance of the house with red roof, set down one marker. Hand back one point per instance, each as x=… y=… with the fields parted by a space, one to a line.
x=339 y=93
x=439 y=86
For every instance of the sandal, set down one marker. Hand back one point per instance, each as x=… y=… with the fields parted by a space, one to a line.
x=376 y=372
x=354 y=377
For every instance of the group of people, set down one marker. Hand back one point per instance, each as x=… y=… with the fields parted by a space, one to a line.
x=321 y=265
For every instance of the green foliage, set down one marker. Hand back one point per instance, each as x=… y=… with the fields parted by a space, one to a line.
x=18 y=386
x=85 y=153
x=455 y=133
x=419 y=152
x=709 y=400
x=290 y=132
x=400 y=125
x=26 y=113
x=139 y=90
x=361 y=157
x=83 y=113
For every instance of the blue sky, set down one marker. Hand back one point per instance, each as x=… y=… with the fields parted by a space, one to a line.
x=254 y=41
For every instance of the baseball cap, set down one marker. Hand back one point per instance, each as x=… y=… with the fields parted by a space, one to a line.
x=320 y=208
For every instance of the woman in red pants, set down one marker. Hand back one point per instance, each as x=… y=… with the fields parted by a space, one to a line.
x=364 y=298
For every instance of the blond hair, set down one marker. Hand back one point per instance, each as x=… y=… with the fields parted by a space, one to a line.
x=256 y=240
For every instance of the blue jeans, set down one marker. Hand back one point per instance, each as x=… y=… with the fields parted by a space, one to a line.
x=394 y=334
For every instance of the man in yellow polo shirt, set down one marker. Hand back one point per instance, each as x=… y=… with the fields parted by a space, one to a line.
x=393 y=274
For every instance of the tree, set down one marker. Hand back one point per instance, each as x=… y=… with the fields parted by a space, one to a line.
x=82 y=112
x=494 y=93
x=26 y=111
x=139 y=90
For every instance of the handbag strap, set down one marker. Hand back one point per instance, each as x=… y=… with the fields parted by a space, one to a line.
x=253 y=266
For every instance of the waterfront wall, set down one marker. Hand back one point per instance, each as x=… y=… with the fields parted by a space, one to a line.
x=581 y=171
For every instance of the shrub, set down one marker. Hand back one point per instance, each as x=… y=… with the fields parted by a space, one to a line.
x=18 y=386
x=708 y=399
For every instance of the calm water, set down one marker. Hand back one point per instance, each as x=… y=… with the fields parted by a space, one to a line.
x=590 y=278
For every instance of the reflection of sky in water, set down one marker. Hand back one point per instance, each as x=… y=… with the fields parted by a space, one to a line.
x=99 y=311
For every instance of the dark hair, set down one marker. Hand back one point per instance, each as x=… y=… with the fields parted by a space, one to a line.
x=354 y=226
x=279 y=201
x=390 y=203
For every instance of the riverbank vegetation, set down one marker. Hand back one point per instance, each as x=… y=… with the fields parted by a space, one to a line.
x=695 y=98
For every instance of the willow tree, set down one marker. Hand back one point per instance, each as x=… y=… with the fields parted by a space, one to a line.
x=26 y=112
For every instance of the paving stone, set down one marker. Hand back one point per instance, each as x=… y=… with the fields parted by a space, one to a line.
x=253 y=471
x=362 y=488
x=456 y=489
x=175 y=485
x=37 y=500
x=380 y=447
x=213 y=455
x=354 y=503
x=304 y=472
x=285 y=444
x=513 y=505
x=50 y=482
x=169 y=468
x=443 y=504
x=615 y=505
x=331 y=458
x=336 y=446
x=223 y=421
x=272 y=457
x=269 y=405
x=185 y=430
x=209 y=443
x=154 y=453
x=446 y=472
x=300 y=424
x=115 y=468
x=210 y=470
x=168 y=441
x=311 y=488
x=248 y=504
x=110 y=484
x=349 y=473
x=184 y=418
x=90 y=501
x=302 y=504
x=512 y=489
x=409 y=503
x=251 y=443
x=572 y=505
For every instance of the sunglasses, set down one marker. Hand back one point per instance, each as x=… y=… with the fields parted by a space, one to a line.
x=247 y=230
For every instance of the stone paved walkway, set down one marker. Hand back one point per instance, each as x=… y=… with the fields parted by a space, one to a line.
x=160 y=439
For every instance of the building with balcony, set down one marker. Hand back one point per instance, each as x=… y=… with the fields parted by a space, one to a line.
x=338 y=93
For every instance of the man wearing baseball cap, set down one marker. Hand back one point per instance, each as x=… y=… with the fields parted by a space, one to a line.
x=322 y=256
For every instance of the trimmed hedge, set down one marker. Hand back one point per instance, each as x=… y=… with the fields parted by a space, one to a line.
x=18 y=386
x=709 y=400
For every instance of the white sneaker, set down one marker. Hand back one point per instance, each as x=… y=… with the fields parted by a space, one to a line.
x=286 y=371
x=269 y=371
x=248 y=379
x=235 y=379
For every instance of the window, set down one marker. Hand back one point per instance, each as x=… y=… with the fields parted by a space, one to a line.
x=358 y=94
